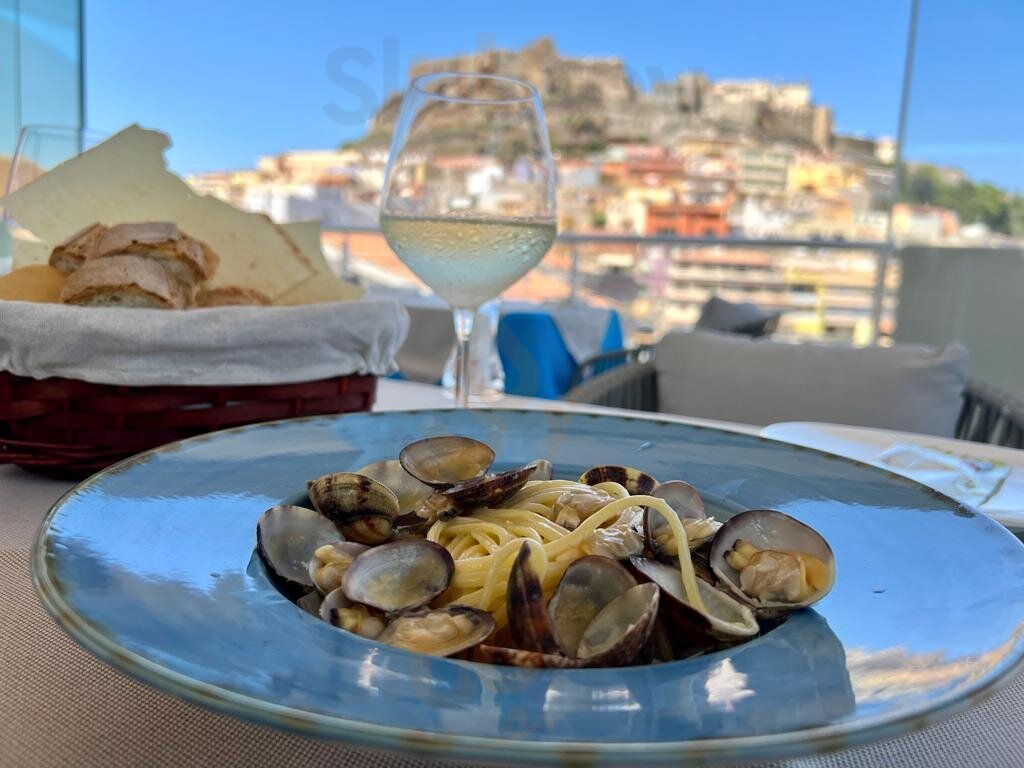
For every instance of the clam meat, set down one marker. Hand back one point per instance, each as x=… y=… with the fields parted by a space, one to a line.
x=338 y=610
x=330 y=561
x=688 y=505
x=772 y=562
x=441 y=632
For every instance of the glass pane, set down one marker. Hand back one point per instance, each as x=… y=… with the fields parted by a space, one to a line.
x=40 y=84
x=960 y=218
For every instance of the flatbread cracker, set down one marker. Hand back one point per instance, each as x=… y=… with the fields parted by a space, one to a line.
x=125 y=179
x=325 y=285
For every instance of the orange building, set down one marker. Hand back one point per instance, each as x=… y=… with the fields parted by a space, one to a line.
x=687 y=220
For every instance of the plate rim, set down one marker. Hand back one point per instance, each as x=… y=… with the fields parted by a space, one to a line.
x=796 y=743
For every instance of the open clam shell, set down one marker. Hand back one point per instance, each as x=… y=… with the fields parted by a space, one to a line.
x=489 y=490
x=723 y=618
x=286 y=538
x=621 y=629
x=633 y=480
x=528 y=620
x=361 y=508
x=588 y=585
x=443 y=461
x=442 y=632
x=776 y=532
x=338 y=610
x=399 y=576
x=544 y=469
x=689 y=507
x=330 y=561
x=409 y=491
x=311 y=602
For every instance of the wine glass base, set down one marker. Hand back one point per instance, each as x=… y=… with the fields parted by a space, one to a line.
x=488 y=396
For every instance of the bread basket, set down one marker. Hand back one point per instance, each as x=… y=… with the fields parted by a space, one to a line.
x=81 y=388
x=73 y=428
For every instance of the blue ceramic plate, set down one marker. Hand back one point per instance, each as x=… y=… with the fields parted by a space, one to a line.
x=149 y=566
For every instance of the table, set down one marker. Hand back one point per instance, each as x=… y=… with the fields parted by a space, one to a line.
x=59 y=706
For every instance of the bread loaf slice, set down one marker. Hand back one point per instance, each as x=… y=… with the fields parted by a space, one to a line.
x=124 y=281
x=36 y=282
x=188 y=260
x=231 y=296
x=69 y=255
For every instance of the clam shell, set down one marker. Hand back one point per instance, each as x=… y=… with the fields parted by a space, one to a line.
x=544 y=471
x=724 y=617
x=361 y=508
x=399 y=576
x=443 y=461
x=586 y=587
x=528 y=620
x=769 y=529
x=490 y=490
x=287 y=536
x=621 y=629
x=409 y=491
x=633 y=480
x=685 y=502
x=310 y=603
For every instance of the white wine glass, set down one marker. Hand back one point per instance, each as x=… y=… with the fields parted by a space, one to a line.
x=469 y=193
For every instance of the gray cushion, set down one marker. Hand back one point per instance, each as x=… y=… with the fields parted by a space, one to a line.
x=746 y=318
x=723 y=376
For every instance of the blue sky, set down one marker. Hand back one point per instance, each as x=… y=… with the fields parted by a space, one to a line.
x=230 y=81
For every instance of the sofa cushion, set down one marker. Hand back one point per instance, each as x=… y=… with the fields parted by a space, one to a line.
x=729 y=377
x=745 y=318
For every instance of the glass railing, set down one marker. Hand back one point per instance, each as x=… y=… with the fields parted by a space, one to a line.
x=824 y=290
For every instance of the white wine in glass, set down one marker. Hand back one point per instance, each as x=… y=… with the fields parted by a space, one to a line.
x=469 y=194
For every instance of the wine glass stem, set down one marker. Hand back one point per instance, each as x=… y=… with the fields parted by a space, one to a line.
x=463 y=330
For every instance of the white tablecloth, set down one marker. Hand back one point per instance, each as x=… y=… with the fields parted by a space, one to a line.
x=61 y=707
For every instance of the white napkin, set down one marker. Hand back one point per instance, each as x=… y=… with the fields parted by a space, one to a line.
x=971 y=481
x=218 y=346
x=581 y=325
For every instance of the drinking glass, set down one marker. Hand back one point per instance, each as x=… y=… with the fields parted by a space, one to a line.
x=469 y=193
x=39 y=149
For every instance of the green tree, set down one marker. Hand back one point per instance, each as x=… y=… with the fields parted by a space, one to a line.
x=985 y=203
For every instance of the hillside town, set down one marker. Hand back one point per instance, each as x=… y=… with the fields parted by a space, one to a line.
x=691 y=157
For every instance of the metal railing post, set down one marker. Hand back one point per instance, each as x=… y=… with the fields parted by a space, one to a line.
x=574 y=274
x=345 y=256
x=884 y=254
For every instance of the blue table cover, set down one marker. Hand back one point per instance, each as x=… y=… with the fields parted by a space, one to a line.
x=533 y=353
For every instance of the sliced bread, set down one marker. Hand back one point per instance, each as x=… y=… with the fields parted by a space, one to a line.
x=69 y=255
x=231 y=296
x=188 y=260
x=124 y=281
x=36 y=282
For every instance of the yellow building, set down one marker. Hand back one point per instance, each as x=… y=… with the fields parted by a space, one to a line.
x=823 y=177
